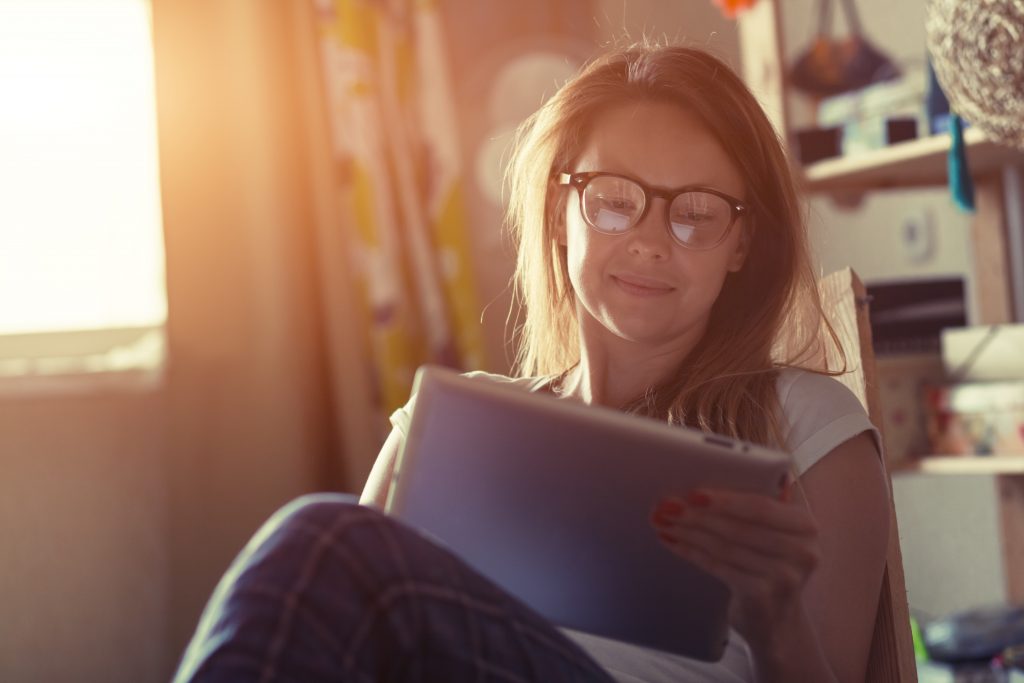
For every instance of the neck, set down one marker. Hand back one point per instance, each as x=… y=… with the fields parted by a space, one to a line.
x=616 y=373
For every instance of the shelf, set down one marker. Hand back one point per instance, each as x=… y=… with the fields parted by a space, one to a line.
x=917 y=163
x=964 y=464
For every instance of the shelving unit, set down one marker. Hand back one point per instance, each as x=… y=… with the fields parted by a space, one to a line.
x=916 y=163
x=1001 y=465
x=997 y=230
x=997 y=234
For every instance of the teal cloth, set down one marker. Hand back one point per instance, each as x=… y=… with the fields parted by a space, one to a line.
x=961 y=186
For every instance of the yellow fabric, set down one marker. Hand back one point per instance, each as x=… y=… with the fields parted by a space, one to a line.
x=395 y=137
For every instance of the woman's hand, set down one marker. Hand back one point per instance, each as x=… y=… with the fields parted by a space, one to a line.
x=764 y=549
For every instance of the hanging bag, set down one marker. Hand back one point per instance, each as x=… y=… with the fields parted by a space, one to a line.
x=834 y=65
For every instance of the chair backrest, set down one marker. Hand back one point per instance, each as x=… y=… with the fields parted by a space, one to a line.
x=892 y=648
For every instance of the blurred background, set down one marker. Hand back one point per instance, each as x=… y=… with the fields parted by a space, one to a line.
x=230 y=230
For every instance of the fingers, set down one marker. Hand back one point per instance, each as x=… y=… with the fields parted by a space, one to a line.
x=745 y=573
x=759 y=596
x=757 y=554
x=760 y=542
x=764 y=549
x=781 y=546
x=762 y=581
x=752 y=508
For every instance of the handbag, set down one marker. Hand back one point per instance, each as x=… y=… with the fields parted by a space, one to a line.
x=834 y=65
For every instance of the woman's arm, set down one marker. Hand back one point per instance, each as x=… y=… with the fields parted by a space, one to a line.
x=805 y=573
x=848 y=494
x=375 y=492
x=827 y=636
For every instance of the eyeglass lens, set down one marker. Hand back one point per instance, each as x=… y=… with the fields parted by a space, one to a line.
x=613 y=205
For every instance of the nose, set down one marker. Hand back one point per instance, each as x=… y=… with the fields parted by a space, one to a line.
x=650 y=237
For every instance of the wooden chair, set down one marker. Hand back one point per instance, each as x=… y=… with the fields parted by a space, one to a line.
x=892 y=649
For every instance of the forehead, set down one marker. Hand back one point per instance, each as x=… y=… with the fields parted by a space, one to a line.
x=660 y=143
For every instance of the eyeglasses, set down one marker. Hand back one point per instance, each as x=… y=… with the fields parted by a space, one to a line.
x=697 y=217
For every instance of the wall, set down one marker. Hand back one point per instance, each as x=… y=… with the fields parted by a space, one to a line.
x=691 y=22
x=950 y=542
x=494 y=90
x=247 y=400
x=83 y=572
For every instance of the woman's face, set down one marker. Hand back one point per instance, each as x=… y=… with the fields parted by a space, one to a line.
x=641 y=285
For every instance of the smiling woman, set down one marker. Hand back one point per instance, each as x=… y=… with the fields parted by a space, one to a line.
x=81 y=244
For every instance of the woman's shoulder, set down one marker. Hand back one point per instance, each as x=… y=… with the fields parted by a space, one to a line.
x=797 y=387
x=818 y=413
x=528 y=383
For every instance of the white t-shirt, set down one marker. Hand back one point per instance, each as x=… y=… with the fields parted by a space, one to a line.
x=819 y=414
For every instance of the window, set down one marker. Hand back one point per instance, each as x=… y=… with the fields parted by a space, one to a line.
x=82 y=288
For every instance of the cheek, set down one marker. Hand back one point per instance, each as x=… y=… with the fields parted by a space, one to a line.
x=706 y=273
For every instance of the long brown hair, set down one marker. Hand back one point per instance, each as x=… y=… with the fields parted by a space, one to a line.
x=768 y=314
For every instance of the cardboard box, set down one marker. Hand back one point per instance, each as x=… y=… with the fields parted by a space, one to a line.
x=984 y=353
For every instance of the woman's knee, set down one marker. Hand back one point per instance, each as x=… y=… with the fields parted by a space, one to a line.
x=316 y=510
x=336 y=519
x=301 y=523
x=360 y=539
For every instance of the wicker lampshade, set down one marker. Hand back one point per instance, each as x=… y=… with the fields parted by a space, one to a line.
x=977 y=49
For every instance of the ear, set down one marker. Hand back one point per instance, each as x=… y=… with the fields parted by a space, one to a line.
x=739 y=254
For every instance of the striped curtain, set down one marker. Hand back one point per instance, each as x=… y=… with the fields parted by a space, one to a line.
x=395 y=140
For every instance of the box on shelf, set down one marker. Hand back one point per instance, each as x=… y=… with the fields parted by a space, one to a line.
x=817 y=144
x=976 y=418
x=984 y=352
x=901 y=381
x=878 y=115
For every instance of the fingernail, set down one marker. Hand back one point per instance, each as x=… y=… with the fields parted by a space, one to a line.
x=699 y=499
x=667 y=538
x=787 y=491
x=670 y=507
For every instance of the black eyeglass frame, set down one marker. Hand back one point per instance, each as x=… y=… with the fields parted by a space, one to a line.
x=582 y=179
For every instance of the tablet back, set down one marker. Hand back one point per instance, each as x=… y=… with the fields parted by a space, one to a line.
x=551 y=500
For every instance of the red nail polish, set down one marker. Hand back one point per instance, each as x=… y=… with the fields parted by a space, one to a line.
x=699 y=499
x=671 y=507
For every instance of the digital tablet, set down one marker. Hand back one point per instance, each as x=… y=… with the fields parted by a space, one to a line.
x=551 y=499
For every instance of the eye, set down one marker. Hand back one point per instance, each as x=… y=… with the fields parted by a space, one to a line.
x=616 y=203
x=694 y=217
x=700 y=210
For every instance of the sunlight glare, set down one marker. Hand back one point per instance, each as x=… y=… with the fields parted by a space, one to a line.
x=81 y=240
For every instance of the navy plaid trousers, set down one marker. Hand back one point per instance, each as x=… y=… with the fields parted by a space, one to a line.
x=329 y=590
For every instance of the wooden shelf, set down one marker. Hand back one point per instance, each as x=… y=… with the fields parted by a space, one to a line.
x=964 y=464
x=917 y=163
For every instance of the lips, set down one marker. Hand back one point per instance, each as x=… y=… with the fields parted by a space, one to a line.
x=641 y=286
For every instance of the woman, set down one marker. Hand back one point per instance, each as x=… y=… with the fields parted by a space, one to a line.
x=661 y=258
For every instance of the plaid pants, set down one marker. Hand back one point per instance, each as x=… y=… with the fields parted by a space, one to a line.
x=329 y=590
